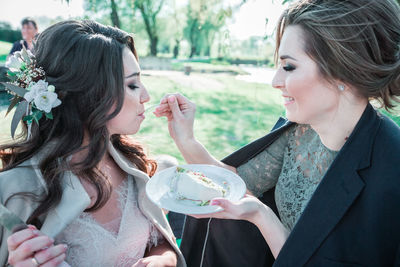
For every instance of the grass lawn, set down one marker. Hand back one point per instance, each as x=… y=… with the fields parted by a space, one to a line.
x=395 y=118
x=5 y=48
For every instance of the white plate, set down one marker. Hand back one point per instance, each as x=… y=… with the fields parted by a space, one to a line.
x=158 y=189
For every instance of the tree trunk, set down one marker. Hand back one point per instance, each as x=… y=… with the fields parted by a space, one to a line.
x=153 y=45
x=207 y=50
x=176 y=48
x=114 y=15
x=192 y=51
x=153 y=38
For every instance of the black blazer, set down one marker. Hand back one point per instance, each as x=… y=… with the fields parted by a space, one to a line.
x=352 y=219
x=17 y=46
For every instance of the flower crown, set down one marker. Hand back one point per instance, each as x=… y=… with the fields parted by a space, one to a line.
x=32 y=95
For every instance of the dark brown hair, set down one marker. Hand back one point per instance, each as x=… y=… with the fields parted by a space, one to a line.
x=83 y=60
x=355 y=42
x=26 y=21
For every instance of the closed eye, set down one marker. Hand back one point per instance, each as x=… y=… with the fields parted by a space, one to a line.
x=289 y=67
x=133 y=86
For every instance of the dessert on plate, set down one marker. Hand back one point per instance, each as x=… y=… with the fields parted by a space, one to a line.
x=196 y=186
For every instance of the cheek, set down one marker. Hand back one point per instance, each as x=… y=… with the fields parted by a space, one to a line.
x=131 y=104
x=132 y=99
x=297 y=86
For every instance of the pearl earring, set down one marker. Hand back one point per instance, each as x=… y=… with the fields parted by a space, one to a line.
x=341 y=87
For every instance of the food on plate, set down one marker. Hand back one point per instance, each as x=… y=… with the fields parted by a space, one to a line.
x=196 y=186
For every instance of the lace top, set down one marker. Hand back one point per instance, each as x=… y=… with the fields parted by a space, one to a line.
x=121 y=242
x=295 y=163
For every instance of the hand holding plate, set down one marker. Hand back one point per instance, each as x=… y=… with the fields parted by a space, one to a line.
x=247 y=208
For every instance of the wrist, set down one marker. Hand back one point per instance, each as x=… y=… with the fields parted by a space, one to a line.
x=170 y=258
x=185 y=143
x=262 y=214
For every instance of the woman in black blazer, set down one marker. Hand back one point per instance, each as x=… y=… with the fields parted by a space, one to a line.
x=335 y=163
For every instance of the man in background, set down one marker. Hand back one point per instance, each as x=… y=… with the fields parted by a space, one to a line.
x=29 y=31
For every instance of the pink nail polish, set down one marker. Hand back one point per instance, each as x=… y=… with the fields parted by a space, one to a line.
x=215 y=202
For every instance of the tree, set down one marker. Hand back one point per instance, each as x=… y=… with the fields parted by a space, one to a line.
x=109 y=6
x=114 y=15
x=149 y=9
x=177 y=31
x=192 y=29
x=204 y=20
x=8 y=34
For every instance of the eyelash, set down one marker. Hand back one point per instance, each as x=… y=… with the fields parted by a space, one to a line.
x=289 y=67
x=133 y=86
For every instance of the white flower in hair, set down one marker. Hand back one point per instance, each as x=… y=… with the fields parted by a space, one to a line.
x=32 y=95
x=26 y=55
x=35 y=89
x=46 y=100
x=14 y=63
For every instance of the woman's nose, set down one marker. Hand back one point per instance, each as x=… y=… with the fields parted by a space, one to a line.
x=145 y=97
x=278 y=81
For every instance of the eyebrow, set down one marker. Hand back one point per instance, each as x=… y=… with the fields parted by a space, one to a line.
x=133 y=74
x=286 y=57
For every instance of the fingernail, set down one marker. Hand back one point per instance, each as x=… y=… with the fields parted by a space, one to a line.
x=215 y=202
x=171 y=99
x=65 y=247
x=51 y=239
x=35 y=232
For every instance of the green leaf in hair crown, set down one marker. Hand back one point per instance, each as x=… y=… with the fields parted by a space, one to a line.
x=33 y=98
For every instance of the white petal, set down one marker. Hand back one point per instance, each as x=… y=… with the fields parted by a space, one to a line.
x=14 y=63
x=51 y=88
x=56 y=103
x=29 y=96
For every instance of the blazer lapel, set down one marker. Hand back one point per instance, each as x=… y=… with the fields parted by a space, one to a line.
x=73 y=202
x=334 y=196
x=251 y=150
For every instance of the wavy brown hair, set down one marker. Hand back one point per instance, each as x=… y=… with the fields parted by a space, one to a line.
x=354 y=41
x=83 y=60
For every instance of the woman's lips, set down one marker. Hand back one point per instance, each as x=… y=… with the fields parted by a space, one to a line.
x=287 y=100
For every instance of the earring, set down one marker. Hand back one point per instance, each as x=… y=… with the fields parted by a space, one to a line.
x=341 y=87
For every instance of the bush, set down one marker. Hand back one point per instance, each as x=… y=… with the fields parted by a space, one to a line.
x=10 y=35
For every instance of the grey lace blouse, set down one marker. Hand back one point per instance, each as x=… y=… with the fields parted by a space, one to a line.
x=295 y=164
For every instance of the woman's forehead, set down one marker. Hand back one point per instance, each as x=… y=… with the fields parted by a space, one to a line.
x=130 y=63
x=292 y=41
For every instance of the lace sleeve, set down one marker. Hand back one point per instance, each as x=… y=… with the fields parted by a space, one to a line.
x=156 y=238
x=261 y=172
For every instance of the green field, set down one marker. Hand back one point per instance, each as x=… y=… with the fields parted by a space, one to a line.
x=5 y=48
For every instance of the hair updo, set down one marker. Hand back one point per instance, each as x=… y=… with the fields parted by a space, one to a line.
x=355 y=42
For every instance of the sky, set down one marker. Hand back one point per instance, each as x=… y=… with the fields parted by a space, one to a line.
x=13 y=11
x=250 y=20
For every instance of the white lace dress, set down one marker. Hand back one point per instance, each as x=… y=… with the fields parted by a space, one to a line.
x=121 y=242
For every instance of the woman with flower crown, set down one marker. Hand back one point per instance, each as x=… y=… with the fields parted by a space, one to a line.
x=74 y=176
